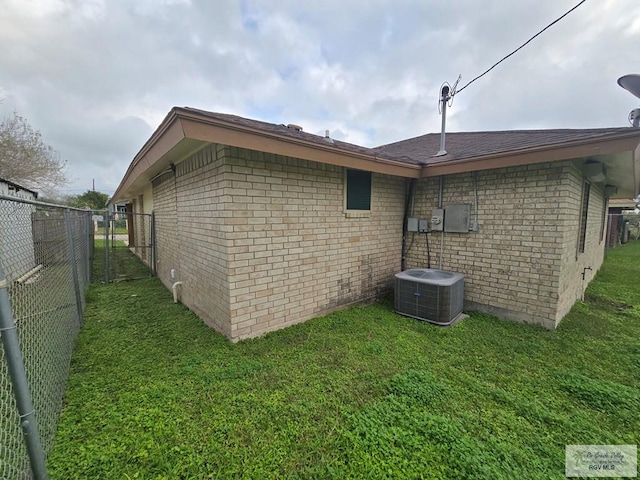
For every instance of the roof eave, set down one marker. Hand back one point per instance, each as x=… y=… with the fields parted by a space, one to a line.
x=201 y=127
x=168 y=134
x=182 y=124
x=548 y=153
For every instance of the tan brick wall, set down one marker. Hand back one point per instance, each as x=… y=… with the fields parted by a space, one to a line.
x=522 y=264
x=293 y=253
x=511 y=265
x=166 y=226
x=189 y=211
x=572 y=285
x=262 y=241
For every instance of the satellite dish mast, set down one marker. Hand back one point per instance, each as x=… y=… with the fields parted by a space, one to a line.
x=447 y=93
x=631 y=83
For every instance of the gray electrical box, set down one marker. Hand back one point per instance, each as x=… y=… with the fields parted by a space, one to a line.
x=412 y=224
x=437 y=219
x=457 y=218
x=423 y=226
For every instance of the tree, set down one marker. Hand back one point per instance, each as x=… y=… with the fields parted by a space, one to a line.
x=26 y=159
x=92 y=199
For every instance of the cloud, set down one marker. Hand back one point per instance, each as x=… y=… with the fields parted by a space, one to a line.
x=96 y=77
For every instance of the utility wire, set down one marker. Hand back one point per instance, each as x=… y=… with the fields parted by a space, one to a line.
x=521 y=46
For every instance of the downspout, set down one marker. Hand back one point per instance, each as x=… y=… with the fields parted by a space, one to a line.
x=407 y=207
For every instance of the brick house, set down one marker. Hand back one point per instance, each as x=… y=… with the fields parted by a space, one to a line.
x=615 y=223
x=267 y=226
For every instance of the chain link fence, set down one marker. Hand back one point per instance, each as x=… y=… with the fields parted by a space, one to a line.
x=45 y=256
x=129 y=246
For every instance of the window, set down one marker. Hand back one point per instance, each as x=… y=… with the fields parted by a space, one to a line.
x=584 y=212
x=605 y=202
x=358 y=186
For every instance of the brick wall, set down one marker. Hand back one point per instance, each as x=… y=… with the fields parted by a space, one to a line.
x=293 y=252
x=522 y=264
x=166 y=226
x=612 y=226
x=262 y=241
x=571 y=284
x=511 y=265
x=190 y=214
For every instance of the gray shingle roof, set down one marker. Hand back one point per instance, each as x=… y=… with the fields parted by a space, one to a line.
x=463 y=145
x=282 y=130
x=421 y=150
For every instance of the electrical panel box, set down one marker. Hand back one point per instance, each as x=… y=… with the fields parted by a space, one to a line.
x=412 y=224
x=437 y=219
x=423 y=226
x=457 y=218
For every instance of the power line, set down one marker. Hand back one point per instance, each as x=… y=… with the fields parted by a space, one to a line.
x=521 y=46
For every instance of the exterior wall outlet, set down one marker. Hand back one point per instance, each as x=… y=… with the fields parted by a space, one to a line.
x=423 y=225
x=173 y=273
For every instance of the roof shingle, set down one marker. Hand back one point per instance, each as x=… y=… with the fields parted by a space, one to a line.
x=421 y=150
x=283 y=130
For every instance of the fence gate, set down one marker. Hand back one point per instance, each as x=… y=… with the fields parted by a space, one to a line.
x=129 y=246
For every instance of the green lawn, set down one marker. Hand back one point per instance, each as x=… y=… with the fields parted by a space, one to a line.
x=123 y=263
x=362 y=393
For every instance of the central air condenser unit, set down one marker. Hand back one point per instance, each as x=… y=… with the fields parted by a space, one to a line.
x=436 y=296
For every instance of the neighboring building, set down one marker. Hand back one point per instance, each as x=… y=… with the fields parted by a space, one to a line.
x=12 y=189
x=267 y=226
x=17 y=252
x=616 y=221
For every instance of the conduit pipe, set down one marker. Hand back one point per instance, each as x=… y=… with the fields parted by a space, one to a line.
x=440 y=195
x=174 y=289
x=408 y=206
x=475 y=200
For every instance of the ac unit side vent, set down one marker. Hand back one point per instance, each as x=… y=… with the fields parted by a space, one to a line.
x=435 y=296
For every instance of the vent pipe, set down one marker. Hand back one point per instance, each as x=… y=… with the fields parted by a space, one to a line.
x=444 y=98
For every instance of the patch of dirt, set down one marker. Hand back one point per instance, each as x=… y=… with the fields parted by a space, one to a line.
x=618 y=306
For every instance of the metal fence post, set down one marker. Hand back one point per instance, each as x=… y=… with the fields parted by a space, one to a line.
x=154 y=250
x=608 y=236
x=74 y=265
x=88 y=223
x=20 y=384
x=107 y=221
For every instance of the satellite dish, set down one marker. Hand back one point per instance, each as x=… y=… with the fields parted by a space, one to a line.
x=631 y=83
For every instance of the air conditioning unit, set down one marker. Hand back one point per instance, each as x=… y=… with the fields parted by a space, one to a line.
x=436 y=296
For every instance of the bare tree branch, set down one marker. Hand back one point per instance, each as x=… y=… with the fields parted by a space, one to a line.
x=26 y=159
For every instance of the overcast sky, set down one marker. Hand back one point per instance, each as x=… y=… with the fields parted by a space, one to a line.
x=96 y=77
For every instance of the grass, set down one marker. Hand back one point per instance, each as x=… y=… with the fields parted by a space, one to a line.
x=361 y=393
x=123 y=263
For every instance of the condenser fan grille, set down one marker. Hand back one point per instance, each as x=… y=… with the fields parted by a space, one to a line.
x=435 y=296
